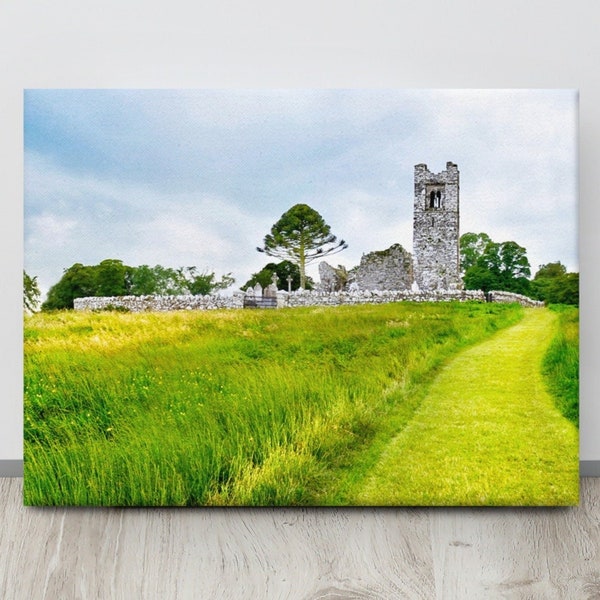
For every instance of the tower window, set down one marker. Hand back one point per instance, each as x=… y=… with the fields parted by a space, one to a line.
x=435 y=199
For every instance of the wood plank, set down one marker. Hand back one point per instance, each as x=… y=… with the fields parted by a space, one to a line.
x=299 y=553
x=519 y=553
x=212 y=553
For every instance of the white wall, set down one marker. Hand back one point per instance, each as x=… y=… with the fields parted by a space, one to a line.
x=313 y=43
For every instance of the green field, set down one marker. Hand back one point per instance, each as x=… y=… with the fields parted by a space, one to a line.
x=241 y=407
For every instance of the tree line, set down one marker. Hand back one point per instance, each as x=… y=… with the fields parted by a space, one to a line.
x=113 y=278
x=299 y=237
x=488 y=265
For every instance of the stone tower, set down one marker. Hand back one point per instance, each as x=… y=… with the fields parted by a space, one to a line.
x=435 y=229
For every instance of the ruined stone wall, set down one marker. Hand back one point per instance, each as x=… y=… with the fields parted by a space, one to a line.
x=295 y=299
x=505 y=297
x=160 y=303
x=390 y=269
x=436 y=229
x=318 y=298
x=331 y=280
x=321 y=298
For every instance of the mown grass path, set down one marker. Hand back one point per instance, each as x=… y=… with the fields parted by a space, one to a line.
x=487 y=432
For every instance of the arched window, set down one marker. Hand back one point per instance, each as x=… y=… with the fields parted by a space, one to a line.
x=435 y=198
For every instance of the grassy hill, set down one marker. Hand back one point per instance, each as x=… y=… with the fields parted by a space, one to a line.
x=286 y=407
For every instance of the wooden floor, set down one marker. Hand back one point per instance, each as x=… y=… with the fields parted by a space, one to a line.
x=299 y=553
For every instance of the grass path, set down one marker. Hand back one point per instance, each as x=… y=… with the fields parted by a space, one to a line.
x=487 y=432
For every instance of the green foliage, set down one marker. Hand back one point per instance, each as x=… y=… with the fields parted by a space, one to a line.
x=113 y=308
x=301 y=235
x=157 y=280
x=488 y=265
x=112 y=278
x=561 y=363
x=203 y=283
x=472 y=246
x=554 y=285
x=31 y=293
x=78 y=281
x=283 y=270
x=142 y=281
x=228 y=407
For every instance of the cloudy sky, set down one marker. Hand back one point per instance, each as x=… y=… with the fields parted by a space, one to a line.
x=198 y=177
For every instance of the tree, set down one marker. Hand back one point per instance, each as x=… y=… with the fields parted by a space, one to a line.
x=203 y=283
x=110 y=278
x=141 y=281
x=283 y=270
x=472 y=246
x=31 y=293
x=168 y=281
x=77 y=281
x=488 y=265
x=554 y=285
x=301 y=236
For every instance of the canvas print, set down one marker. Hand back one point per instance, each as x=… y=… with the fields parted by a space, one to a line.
x=300 y=297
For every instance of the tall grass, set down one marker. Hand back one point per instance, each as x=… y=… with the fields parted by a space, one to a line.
x=561 y=363
x=227 y=407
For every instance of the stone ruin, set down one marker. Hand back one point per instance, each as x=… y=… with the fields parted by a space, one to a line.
x=332 y=279
x=389 y=269
x=435 y=263
x=431 y=274
x=436 y=237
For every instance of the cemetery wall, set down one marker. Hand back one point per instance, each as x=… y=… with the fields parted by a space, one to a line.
x=295 y=299
x=505 y=297
x=317 y=298
x=160 y=303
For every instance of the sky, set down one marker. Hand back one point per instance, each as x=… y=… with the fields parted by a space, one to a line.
x=198 y=177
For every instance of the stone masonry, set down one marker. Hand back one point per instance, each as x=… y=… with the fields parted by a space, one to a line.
x=389 y=269
x=330 y=279
x=295 y=299
x=436 y=229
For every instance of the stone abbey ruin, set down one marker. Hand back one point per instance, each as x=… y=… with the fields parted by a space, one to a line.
x=435 y=262
x=431 y=273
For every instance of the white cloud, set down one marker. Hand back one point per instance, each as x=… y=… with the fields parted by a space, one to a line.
x=136 y=225
x=198 y=178
x=51 y=231
x=367 y=223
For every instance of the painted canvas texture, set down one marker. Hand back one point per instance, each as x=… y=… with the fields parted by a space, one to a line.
x=301 y=298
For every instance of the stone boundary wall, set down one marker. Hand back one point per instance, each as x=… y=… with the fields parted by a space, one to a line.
x=316 y=298
x=507 y=297
x=160 y=303
x=295 y=299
